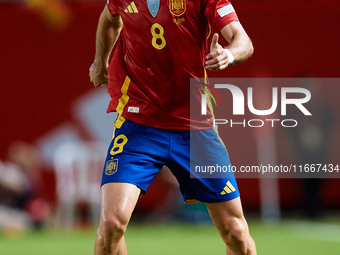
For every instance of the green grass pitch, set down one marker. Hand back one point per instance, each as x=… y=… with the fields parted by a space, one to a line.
x=287 y=237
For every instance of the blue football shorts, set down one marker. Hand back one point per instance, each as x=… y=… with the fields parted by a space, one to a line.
x=137 y=153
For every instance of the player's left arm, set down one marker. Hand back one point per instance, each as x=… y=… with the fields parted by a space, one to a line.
x=240 y=46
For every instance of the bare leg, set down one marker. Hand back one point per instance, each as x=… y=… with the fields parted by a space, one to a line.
x=118 y=203
x=232 y=227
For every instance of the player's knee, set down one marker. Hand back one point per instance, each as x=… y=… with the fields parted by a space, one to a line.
x=114 y=224
x=236 y=232
x=238 y=237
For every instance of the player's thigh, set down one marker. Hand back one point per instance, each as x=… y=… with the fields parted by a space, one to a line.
x=190 y=162
x=118 y=201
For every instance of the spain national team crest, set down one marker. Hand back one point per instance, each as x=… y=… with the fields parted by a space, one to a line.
x=177 y=7
x=111 y=167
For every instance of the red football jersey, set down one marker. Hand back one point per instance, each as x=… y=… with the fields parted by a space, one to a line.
x=162 y=45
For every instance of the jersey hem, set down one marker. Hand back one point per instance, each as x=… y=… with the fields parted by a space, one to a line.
x=186 y=127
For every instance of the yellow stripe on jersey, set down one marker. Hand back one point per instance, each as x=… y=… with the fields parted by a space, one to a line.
x=205 y=76
x=134 y=7
x=123 y=100
x=209 y=33
x=209 y=104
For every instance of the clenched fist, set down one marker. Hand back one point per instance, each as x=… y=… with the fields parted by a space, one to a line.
x=98 y=74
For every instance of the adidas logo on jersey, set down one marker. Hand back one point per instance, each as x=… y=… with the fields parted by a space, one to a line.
x=228 y=189
x=132 y=8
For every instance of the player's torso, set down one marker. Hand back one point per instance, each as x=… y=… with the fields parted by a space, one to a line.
x=164 y=46
x=164 y=31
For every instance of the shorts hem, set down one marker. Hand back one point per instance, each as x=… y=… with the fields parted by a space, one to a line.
x=197 y=200
x=143 y=190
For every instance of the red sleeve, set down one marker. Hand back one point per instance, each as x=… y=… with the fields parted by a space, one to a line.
x=112 y=8
x=220 y=13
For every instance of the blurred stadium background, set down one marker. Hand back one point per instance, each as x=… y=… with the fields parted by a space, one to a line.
x=53 y=120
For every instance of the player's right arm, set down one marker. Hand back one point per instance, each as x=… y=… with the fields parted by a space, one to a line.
x=107 y=34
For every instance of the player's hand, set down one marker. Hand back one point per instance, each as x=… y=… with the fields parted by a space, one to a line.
x=98 y=75
x=217 y=59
